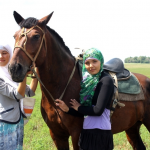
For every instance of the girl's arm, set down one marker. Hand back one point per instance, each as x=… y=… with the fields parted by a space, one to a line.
x=34 y=81
x=104 y=97
x=22 y=88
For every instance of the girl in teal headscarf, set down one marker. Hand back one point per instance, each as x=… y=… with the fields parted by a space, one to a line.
x=95 y=98
x=89 y=82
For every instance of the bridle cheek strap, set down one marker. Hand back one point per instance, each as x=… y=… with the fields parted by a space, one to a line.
x=23 y=33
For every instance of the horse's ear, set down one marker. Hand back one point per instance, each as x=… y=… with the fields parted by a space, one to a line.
x=18 y=17
x=46 y=19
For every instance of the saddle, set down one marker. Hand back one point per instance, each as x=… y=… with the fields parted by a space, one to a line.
x=116 y=66
x=127 y=82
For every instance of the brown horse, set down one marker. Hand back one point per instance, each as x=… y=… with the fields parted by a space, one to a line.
x=55 y=63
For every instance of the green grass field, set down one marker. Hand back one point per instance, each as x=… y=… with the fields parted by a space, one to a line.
x=36 y=132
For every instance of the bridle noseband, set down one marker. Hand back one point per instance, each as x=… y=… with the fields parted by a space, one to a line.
x=24 y=33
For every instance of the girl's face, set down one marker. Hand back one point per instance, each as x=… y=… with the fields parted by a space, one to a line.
x=93 y=66
x=4 y=58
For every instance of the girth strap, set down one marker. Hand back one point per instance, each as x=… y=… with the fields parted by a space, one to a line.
x=115 y=101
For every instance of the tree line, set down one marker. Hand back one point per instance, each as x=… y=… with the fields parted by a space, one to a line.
x=140 y=59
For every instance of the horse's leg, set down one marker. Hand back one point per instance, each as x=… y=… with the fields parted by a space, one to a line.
x=60 y=142
x=146 y=122
x=75 y=138
x=134 y=138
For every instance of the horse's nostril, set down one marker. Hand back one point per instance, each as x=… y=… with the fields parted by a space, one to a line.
x=17 y=72
x=18 y=67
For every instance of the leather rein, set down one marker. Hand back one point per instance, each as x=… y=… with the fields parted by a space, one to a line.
x=24 y=33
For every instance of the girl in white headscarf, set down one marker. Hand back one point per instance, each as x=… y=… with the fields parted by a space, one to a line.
x=6 y=53
x=11 y=117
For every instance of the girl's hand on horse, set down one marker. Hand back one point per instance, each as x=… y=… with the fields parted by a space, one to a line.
x=75 y=104
x=37 y=71
x=62 y=105
x=30 y=72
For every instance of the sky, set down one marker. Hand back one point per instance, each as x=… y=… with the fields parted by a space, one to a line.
x=118 y=28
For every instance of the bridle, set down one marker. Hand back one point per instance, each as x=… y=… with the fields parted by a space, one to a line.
x=24 y=33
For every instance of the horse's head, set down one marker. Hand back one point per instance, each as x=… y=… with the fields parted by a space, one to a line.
x=30 y=45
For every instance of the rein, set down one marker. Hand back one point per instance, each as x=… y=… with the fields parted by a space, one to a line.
x=24 y=33
x=72 y=73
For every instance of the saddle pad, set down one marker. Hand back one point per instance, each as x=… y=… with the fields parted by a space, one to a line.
x=129 y=86
x=131 y=97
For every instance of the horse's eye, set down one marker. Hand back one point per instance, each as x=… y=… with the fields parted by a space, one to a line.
x=36 y=37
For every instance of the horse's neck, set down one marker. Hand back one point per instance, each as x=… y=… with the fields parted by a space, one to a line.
x=56 y=69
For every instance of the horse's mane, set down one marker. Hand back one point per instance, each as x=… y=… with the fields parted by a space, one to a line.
x=29 y=22
x=53 y=32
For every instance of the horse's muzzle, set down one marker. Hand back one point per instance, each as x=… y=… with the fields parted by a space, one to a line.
x=17 y=72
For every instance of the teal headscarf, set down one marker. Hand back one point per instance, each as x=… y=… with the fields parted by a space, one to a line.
x=89 y=82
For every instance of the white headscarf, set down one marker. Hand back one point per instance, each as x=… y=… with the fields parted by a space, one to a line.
x=4 y=74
